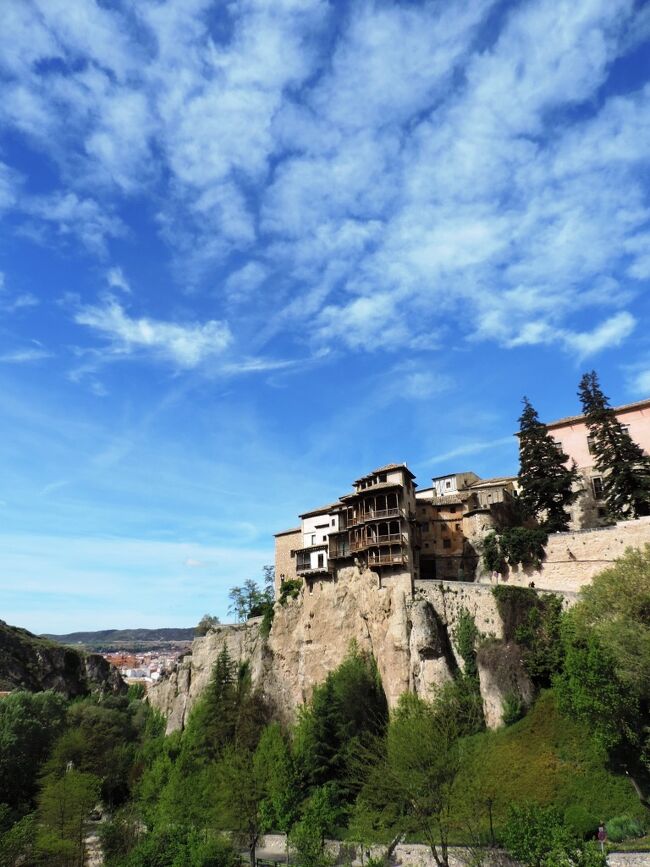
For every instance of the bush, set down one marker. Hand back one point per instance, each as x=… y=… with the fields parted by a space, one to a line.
x=524 y=545
x=513 y=708
x=267 y=621
x=537 y=837
x=622 y=828
x=579 y=820
x=491 y=554
x=290 y=589
x=208 y=623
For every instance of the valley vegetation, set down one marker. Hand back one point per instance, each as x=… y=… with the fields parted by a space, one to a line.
x=427 y=772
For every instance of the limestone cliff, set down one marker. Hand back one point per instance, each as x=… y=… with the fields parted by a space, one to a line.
x=410 y=634
x=33 y=663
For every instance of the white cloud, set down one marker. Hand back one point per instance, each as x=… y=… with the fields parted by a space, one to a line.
x=82 y=218
x=24 y=356
x=471 y=448
x=185 y=345
x=116 y=280
x=380 y=171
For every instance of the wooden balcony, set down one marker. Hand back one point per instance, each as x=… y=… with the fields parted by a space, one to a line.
x=373 y=541
x=308 y=569
x=388 y=559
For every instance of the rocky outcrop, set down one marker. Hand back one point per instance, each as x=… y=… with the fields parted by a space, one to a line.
x=33 y=663
x=503 y=679
x=409 y=634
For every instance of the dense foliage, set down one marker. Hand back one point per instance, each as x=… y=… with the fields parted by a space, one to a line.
x=514 y=546
x=624 y=466
x=428 y=771
x=547 y=487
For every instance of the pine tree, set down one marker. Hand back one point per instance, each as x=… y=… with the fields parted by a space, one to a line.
x=546 y=483
x=625 y=468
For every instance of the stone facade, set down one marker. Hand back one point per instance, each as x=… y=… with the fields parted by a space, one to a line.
x=285 y=561
x=572 y=559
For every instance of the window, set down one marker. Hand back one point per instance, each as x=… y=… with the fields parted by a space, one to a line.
x=590 y=445
x=424 y=526
x=597 y=484
x=324 y=538
x=333 y=521
x=426 y=544
x=447 y=485
x=452 y=508
x=446 y=543
x=458 y=526
x=313 y=539
x=382 y=477
x=321 y=561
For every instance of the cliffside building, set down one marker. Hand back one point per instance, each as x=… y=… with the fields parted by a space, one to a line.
x=401 y=534
x=572 y=435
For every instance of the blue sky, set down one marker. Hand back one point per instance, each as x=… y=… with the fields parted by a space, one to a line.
x=252 y=249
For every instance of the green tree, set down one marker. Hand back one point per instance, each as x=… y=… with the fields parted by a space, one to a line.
x=348 y=709
x=239 y=794
x=410 y=784
x=29 y=725
x=606 y=676
x=547 y=485
x=624 y=466
x=320 y=816
x=275 y=770
x=251 y=600
x=63 y=807
x=537 y=837
x=206 y=624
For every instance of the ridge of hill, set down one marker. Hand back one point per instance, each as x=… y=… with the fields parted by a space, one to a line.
x=92 y=637
x=34 y=663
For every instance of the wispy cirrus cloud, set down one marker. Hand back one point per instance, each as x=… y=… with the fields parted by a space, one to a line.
x=185 y=345
x=378 y=170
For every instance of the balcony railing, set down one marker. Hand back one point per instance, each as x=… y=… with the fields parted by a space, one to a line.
x=387 y=559
x=373 y=541
x=304 y=568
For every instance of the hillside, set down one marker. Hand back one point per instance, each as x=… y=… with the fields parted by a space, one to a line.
x=35 y=663
x=118 y=639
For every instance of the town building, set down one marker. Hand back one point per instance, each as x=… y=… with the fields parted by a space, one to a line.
x=453 y=515
x=400 y=533
x=572 y=435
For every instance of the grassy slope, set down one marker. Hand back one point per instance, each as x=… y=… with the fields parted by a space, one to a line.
x=547 y=759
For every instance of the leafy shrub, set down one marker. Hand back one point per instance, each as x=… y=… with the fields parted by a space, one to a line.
x=208 y=623
x=513 y=708
x=537 y=837
x=267 y=621
x=622 y=828
x=533 y=620
x=523 y=545
x=290 y=589
x=491 y=554
x=581 y=821
x=465 y=637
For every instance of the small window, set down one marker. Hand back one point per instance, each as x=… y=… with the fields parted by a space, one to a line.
x=458 y=526
x=447 y=485
x=313 y=539
x=597 y=484
x=446 y=543
x=382 y=477
x=324 y=538
x=321 y=561
x=452 y=508
x=333 y=521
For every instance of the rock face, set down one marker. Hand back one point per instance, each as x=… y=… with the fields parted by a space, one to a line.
x=410 y=634
x=33 y=663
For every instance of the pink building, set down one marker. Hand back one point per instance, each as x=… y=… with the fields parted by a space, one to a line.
x=572 y=434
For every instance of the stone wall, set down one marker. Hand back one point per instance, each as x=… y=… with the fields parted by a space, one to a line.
x=285 y=564
x=572 y=559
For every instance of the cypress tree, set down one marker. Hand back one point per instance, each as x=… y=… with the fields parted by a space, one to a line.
x=625 y=468
x=546 y=483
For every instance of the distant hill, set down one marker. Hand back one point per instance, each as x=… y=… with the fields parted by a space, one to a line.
x=35 y=663
x=125 y=638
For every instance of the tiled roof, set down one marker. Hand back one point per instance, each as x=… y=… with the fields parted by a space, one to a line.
x=288 y=532
x=321 y=511
x=571 y=419
x=486 y=483
x=385 y=469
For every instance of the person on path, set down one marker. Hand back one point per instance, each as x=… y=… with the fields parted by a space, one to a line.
x=602 y=836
